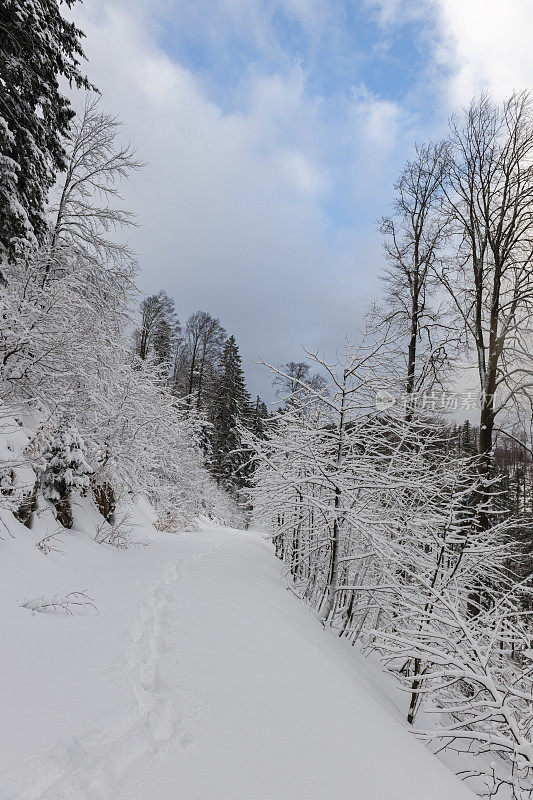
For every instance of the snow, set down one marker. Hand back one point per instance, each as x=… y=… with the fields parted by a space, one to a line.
x=201 y=678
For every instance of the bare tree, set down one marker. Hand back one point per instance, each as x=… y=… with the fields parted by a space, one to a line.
x=413 y=238
x=296 y=377
x=202 y=346
x=489 y=276
x=159 y=329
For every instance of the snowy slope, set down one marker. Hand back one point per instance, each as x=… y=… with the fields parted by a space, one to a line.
x=202 y=678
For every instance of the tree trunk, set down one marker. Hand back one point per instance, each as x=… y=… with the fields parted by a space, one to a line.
x=333 y=572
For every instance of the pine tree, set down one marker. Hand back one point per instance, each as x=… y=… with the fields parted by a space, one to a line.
x=37 y=46
x=259 y=417
x=66 y=470
x=468 y=439
x=232 y=408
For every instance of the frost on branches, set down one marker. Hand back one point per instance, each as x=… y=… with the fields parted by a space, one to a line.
x=378 y=519
x=67 y=360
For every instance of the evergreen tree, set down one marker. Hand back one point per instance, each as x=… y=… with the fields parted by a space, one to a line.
x=37 y=46
x=468 y=439
x=232 y=408
x=66 y=470
x=259 y=417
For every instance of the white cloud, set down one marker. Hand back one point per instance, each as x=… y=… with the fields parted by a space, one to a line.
x=231 y=204
x=477 y=44
x=379 y=122
x=487 y=45
x=397 y=12
x=301 y=173
x=388 y=11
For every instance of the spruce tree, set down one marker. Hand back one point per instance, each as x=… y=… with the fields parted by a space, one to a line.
x=259 y=417
x=66 y=471
x=37 y=47
x=468 y=439
x=232 y=408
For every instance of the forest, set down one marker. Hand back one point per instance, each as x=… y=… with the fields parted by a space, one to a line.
x=394 y=478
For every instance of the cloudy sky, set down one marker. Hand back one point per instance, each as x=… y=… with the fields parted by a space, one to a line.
x=273 y=131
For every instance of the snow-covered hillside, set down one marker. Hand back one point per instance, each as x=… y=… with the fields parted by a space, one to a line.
x=201 y=677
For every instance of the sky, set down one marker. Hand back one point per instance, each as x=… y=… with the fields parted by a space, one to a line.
x=272 y=132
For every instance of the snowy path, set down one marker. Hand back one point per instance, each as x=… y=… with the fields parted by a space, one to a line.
x=228 y=689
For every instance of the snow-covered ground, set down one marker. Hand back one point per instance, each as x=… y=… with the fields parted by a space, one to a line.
x=201 y=678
